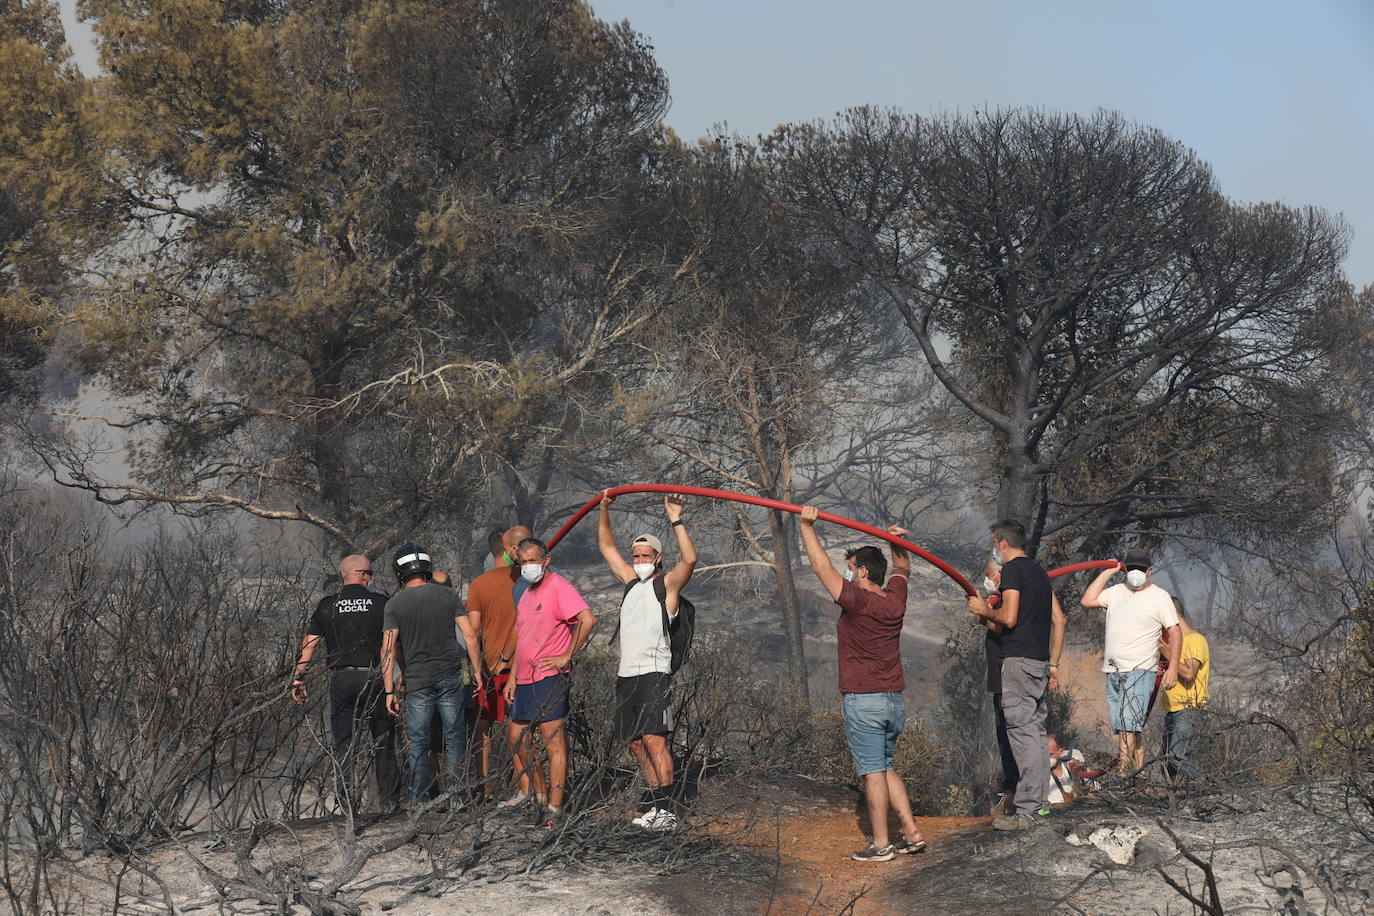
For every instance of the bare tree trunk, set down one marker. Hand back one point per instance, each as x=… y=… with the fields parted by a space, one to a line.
x=1016 y=499
x=524 y=501
x=529 y=496
x=329 y=449
x=1017 y=496
x=789 y=605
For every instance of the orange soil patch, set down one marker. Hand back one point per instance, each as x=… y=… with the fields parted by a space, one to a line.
x=816 y=872
x=816 y=853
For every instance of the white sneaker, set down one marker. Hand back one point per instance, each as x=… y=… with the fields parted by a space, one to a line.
x=661 y=821
x=644 y=819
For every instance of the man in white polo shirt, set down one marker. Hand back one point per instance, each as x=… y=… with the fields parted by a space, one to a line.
x=1138 y=614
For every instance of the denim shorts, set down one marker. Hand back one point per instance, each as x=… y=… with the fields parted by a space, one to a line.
x=1128 y=699
x=546 y=700
x=872 y=722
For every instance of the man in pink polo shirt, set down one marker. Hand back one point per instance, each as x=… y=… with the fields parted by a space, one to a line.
x=552 y=623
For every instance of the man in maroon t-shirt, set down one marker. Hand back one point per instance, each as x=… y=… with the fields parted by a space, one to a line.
x=871 y=681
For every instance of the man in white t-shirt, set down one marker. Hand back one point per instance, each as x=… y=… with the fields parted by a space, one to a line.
x=644 y=709
x=1138 y=613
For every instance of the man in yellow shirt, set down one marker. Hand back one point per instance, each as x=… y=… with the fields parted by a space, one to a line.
x=1183 y=704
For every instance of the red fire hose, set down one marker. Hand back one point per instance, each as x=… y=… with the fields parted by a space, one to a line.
x=823 y=516
x=1079 y=567
x=767 y=504
x=1072 y=568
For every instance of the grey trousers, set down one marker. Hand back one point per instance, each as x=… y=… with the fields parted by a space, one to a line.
x=1024 y=681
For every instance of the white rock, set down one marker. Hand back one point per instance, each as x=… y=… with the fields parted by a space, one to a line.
x=1118 y=842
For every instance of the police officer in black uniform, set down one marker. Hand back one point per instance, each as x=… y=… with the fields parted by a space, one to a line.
x=350 y=623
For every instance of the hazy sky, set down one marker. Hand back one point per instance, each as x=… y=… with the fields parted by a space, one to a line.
x=1278 y=95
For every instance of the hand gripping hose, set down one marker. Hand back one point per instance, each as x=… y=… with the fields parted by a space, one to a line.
x=767 y=504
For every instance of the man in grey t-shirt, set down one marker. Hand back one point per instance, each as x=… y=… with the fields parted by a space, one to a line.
x=418 y=634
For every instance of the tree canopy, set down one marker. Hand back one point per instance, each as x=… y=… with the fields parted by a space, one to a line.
x=1144 y=352
x=49 y=209
x=383 y=268
x=364 y=245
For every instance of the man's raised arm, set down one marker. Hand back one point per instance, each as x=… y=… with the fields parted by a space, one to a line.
x=901 y=560
x=605 y=539
x=816 y=555
x=678 y=577
x=1093 y=596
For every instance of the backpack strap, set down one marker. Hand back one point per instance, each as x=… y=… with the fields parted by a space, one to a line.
x=661 y=593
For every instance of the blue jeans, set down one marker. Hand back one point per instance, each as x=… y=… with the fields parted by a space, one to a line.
x=872 y=723
x=447 y=697
x=1179 y=727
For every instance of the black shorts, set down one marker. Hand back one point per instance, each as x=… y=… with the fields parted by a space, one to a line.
x=643 y=705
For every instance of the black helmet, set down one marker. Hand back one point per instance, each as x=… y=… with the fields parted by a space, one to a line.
x=412 y=559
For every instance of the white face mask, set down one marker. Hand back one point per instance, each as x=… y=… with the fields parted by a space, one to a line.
x=996 y=559
x=989 y=585
x=644 y=570
x=848 y=574
x=1135 y=578
x=532 y=572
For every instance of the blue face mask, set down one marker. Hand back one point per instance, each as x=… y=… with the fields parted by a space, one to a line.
x=848 y=575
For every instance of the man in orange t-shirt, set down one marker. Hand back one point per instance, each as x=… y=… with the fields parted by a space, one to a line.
x=491 y=595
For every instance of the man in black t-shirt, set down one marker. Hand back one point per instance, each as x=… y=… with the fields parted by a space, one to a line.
x=992 y=646
x=1031 y=639
x=350 y=623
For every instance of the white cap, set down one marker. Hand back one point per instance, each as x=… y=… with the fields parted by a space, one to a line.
x=649 y=539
